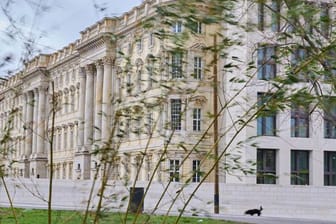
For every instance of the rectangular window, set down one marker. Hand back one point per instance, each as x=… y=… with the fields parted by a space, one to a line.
x=299 y=167
x=266 y=62
x=197 y=119
x=300 y=121
x=275 y=7
x=325 y=19
x=299 y=55
x=261 y=15
x=266 y=166
x=330 y=117
x=198 y=67
x=176 y=108
x=266 y=121
x=196 y=27
x=177 y=27
x=174 y=170
x=196 y=171
x=176 y=65
x=330 y=168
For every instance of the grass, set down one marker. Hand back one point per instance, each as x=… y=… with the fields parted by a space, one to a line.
x=34 y=216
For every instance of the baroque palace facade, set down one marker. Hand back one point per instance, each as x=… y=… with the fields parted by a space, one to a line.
x=95 y=83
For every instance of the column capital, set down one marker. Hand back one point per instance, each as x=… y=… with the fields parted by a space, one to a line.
x=42 y=89
x=99 y=64
x=89 y=69
x=108 y=60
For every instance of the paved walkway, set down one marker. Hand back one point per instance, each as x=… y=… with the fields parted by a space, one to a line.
x=270 y=220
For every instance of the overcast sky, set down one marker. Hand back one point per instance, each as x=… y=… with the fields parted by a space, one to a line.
x=52 y=24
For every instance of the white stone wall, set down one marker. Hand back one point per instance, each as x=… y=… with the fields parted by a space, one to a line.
x=277 y=200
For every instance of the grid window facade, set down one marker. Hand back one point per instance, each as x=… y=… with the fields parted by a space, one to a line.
x=299 y=121
x=330 y=168
x=176 y=108
x=266 y=166
x=174 y=170
x=198 y=67
x=196 y=171
x=300 y=167
x=197 y=116
x=266 y=62
x=266 y=121
x=176 y=65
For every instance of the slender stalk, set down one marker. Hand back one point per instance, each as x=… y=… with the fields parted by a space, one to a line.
x=9 y=199
x=53 y=117
x=90 y=195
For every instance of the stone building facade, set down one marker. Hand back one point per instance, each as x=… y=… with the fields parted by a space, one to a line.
x=113 y=82
x=112 y=69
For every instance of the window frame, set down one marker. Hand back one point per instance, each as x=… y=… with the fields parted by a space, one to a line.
x=175 y=114
x=197 y=119
x=196 y=168
x=198 y=67
x=329 y=117
x=275 y=23
x=174 y=170
x=177 y=65
x=329 y=170
x=300 y=176
x=265 y=174
x=300 y=115
x=178 y=27
x=266 y=63
x=263 y=121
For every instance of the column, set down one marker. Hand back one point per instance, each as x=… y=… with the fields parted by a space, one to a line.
x=35 y=122
x=65 y=138
x=156 y=159
x=40 y=144
x=88 y=125
x=55 y=149
x=98 y=101
x=81 y=108
x=107 y=90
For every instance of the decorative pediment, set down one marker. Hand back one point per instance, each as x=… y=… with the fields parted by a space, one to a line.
x=197 y=46
x=199 y=100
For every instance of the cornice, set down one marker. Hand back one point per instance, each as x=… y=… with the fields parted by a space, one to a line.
x=95 y=42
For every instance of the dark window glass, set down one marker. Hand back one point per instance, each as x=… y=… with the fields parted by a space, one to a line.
x=300 y=121
x=299 y=167
x=266 y=166
x=330 y=168
x=266 y=121
x=196 y=171
x=266 y=62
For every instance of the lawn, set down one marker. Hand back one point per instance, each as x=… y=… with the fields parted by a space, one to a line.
x=33 y=216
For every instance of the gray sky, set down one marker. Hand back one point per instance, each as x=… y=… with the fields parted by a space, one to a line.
x=52 y=24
